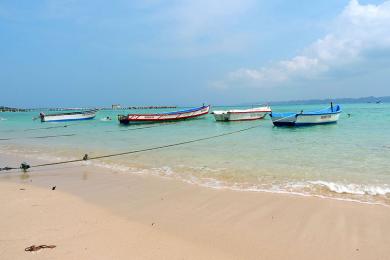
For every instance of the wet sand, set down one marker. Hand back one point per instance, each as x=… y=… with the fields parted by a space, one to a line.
x=96 y=213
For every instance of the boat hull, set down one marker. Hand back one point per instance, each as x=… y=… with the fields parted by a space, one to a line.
x=68 y=117
x=303 y=120
x=241 y=115
x=306 y=119
x=164 y=117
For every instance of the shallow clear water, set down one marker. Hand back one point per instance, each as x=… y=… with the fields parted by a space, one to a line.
x=347 y=160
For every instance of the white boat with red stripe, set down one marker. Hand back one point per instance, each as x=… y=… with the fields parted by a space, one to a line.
x=242 y=114
x=164 y=117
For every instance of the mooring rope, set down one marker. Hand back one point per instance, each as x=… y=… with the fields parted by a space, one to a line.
x=143 y=127
x=37 y=137
x=63 y=135
x=43 y=128
x=34 y=129
x=47 y=127
x=25 y=166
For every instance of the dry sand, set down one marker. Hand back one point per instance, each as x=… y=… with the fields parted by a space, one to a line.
x=101 y=214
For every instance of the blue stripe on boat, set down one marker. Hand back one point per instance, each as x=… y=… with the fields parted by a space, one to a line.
x=286 y=115
x=64 y=120
x=184 y=111
x=336 y=109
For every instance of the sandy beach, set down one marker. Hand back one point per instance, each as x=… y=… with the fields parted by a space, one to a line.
x=96 y=213
x=196 y=129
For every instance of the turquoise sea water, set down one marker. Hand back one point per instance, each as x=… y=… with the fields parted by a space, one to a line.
x=347 y=160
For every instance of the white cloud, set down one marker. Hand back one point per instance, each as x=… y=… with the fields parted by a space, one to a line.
x=358 y=29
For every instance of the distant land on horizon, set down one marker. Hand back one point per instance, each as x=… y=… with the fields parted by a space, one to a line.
x=370 y=99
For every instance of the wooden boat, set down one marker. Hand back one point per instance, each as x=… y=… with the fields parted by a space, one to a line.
x=71 y=116
x=324 y=116
x=241 y=114
x=164 y=117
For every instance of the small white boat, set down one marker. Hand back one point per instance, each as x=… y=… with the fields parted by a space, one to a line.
x=241 y=114
x=325 y=116
x=71 y=116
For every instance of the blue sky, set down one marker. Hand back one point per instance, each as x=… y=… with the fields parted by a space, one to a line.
x=93 y=52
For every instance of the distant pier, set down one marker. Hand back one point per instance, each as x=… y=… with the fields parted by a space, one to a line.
x=114 y=107
x=12 y=109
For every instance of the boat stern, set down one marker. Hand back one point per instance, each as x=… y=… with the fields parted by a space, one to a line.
x=220 y=115
x=283 y=119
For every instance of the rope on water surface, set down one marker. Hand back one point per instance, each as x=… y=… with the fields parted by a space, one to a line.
x=143 y=127
x=25 y=166
x=63 y=135
x=41 y=128
x=37 y=137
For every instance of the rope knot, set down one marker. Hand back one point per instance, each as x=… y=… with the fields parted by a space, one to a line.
x=24 y=166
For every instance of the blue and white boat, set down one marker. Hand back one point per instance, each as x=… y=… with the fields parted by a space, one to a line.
x=325 y=116
x=71 y=116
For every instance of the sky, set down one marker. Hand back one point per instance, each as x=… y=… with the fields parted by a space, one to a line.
x=189 y=52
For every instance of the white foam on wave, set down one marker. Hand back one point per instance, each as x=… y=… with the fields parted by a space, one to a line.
x=204 y=168
x=3 y=119
x=219 y=185
x=347 y=192
x=354 y=189
x=110 y=166
x=164 y=171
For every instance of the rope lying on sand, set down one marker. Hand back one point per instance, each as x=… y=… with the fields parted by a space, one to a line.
x=25 y=166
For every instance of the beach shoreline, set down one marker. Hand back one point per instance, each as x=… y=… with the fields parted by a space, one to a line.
x=343 y=161
x=190 y=222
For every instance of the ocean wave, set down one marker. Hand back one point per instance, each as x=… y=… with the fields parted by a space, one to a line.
x=3 y=119
x=164 y=171
x=358 y=197
x=203 y=168
x=354 y=189
x=211 y=178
